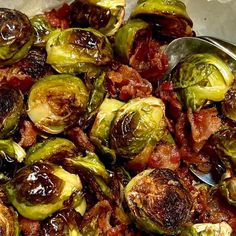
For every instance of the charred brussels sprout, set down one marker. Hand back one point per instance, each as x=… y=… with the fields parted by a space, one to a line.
x=16 y=36
x=9 y=225
x=11 y=106
x=208 y=229
x=100 y=131
x=137 y=124
x=42 y=29
x=201 y=78
x=52 y=150
x=170 y=17
x=127 y=35
x=105 y=16
x=63 y=223
x=77 y=50
x=39 y=190
x=158 y=201
x=56 y=102
x=229 y=104
x=228 y=190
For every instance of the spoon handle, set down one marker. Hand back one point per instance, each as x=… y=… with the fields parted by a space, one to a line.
x=225 y=46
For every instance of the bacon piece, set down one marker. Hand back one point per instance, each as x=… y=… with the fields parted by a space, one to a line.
x=149 y=60
x=126 y=83
x=165 y=156
x=29 y=227
x=204 y=123
x=59 y=18
x=28 y=134
x=80 y=139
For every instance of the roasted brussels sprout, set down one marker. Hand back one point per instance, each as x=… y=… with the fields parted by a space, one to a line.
x=52 y=150
x=16 y=36
x=208 y=229
x=63 y=223
x=11 y=106
x=158 y=201
x=105 y=16
x=127 y=35
x=9 y=225
x=39 y=190
x=137 y=124
x=42 y=29
x=77 y=50
x=56 y=102
x=170 y=17
x=228 y=190
x=229 y=104
x=202 y=78
x=100 y=131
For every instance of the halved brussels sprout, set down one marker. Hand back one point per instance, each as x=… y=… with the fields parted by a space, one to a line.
x=228 y=190
x=11 y=107
x=137 y=124
x=42 y=29
x=201 y=78
x=9 y=225
x=229 y=104
x=208 y=229
x=56 y=102
x=105 y=16
x=127 y=35
x=39 y=190
x=16 y=36
x=170 y=17
x=63 y=223
x=77 y=50
x=158 y=201
x=100 y=131
x=51 y=150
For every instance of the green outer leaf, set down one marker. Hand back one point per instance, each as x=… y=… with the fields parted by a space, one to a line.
x=42 y=211
x=161 y=7
x=50 y=147
x=228 y=189
x=125 y=37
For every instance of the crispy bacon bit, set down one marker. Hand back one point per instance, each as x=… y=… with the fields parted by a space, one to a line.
x=28 y=134
x=165 y=156
x=126 y=83
x=80 y=139
x=29 y=227
x=59 y=18
x=204 y=123
x=169 y=97
x=149 y=60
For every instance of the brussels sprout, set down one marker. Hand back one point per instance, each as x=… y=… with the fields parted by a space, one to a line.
x=63 y=223
x=105 y=16
x=56 y=102
x=52 y=150
x=158 y=201
x=11 y=106
x=137 y=124
x=208 y=229
x=77 y=50
x=201 y=78
x=39 y=190
x=170 y=17
x=100 y=131
x=16 y=36
x=229 y=104
x=127 y=35
x=228 y=190
x=42 y=29
x=9 y=225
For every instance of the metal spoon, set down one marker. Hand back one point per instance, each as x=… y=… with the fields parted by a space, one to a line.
x=181 y=48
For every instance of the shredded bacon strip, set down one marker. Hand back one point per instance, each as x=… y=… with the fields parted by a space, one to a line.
x=29 y=227
x=126 y=83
